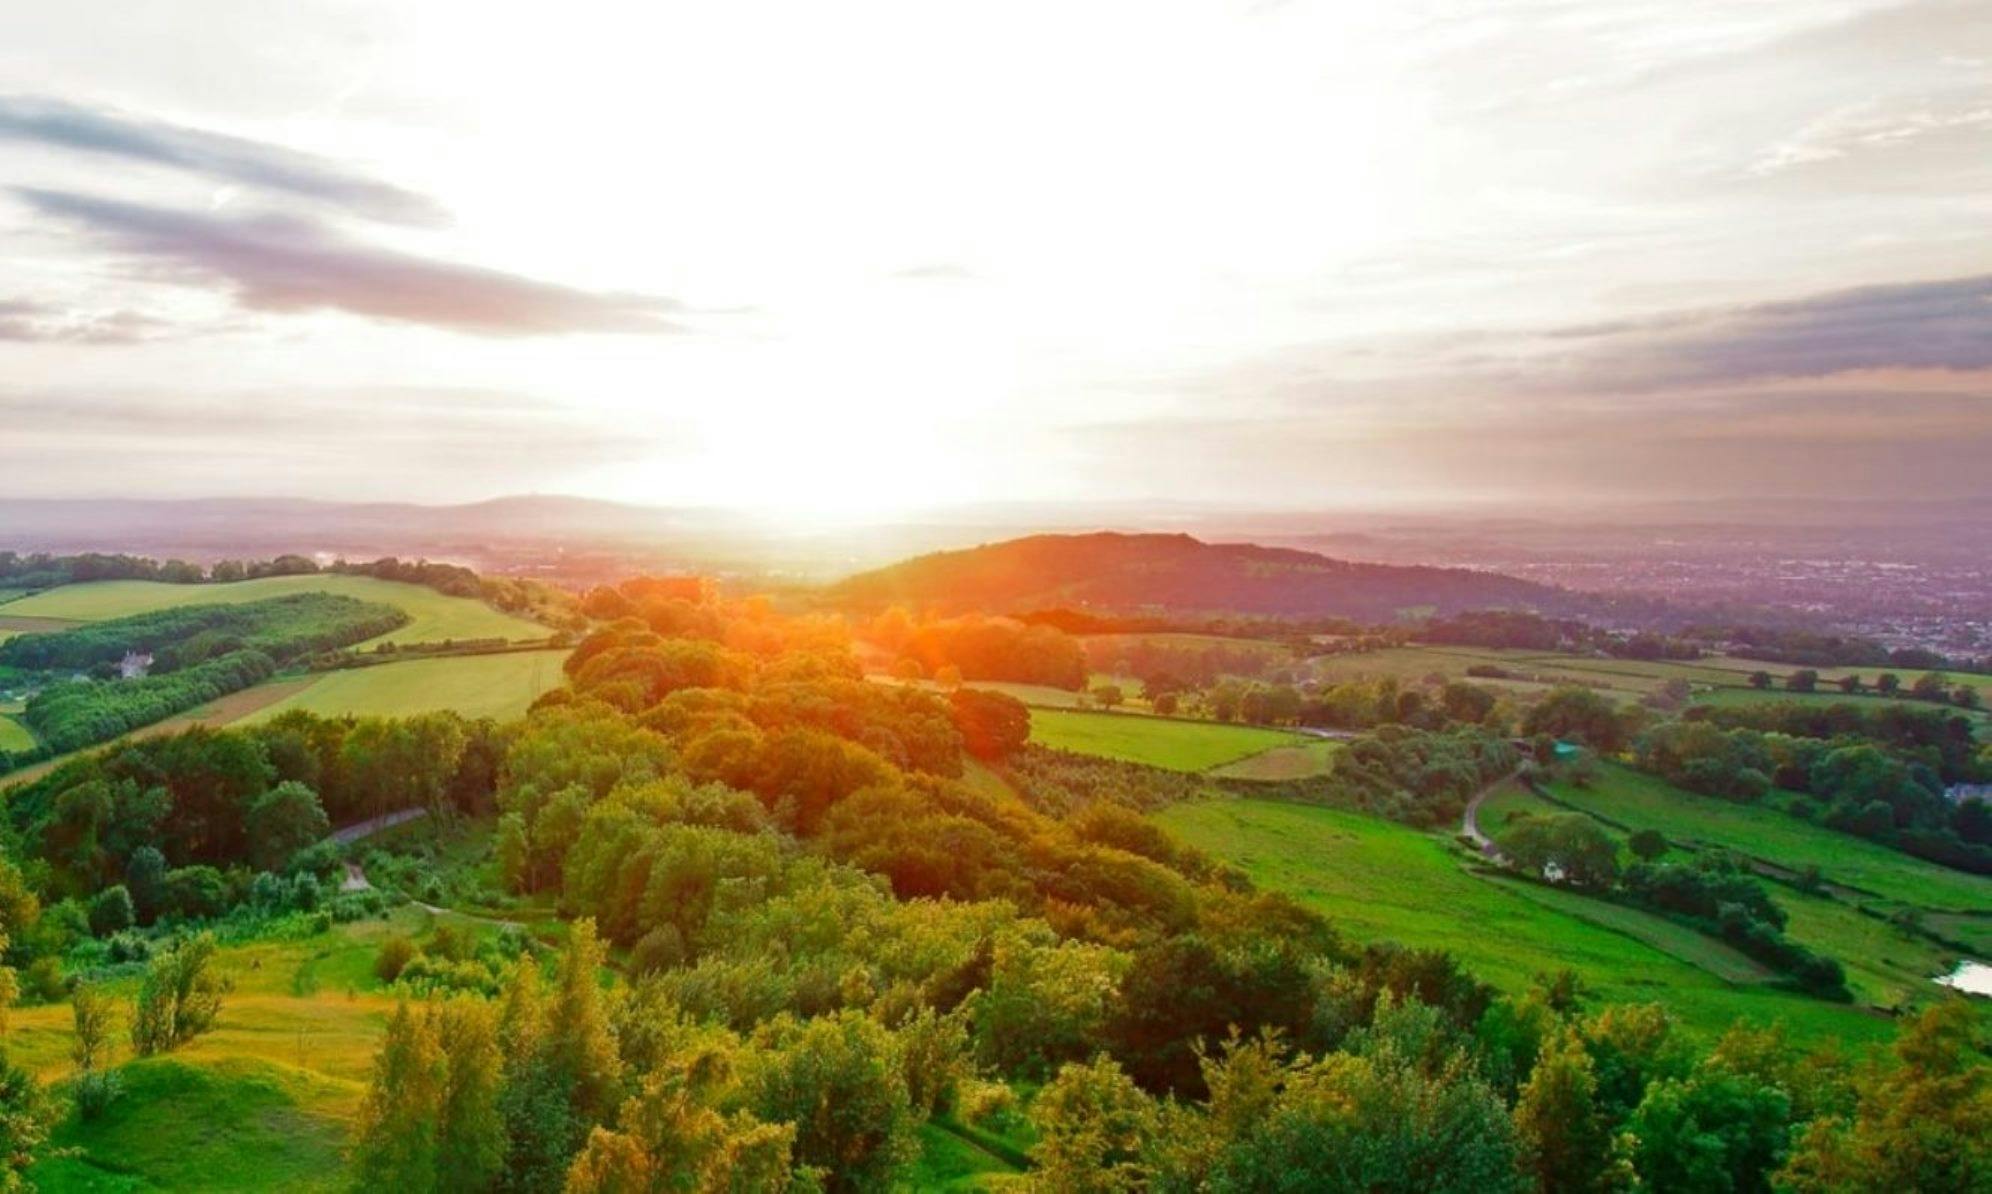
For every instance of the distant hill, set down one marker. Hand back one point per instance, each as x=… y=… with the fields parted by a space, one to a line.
x=1178 y=573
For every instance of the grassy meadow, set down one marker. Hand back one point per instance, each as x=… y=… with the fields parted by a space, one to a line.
x=1156 y=741
x=434 y=616
x=497 y=686
x=273 y=1088
x=1302 y=761
x=1380 y=881
x=14 y=735
x=1643 y=802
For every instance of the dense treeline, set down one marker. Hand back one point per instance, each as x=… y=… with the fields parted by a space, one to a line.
x=79 y=713
x=222 y=798
x=1811 y=648
x=979 y=648
x=280 y=627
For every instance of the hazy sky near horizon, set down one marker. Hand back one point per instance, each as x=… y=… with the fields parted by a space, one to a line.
x=863 y=257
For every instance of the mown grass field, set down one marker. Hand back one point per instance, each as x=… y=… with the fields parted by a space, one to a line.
x=1376 y=880
x=1301 y=761
x=496 y=686
x=14 y=735
x=1644 y=802
x=1156 y=741
x=435 y=617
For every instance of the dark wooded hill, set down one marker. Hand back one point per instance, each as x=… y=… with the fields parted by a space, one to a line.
x=1178 y=573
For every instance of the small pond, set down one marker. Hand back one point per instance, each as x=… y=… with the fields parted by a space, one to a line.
x=1973 y=978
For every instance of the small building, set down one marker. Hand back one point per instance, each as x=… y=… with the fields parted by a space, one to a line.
x=1959 y=793
x=133 y=666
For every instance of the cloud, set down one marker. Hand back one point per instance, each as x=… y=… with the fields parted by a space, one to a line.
x=288 y=264
x=237 y=160
x=384 y=441
x=1915 y=325
x=24 y=322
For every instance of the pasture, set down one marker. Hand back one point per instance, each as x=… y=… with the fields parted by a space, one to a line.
x=1641 y=801
x=1375 y=880
x=434 y=617
x=14 y=735
x=1302 y=761
x=497 y=686
x=1156 y=741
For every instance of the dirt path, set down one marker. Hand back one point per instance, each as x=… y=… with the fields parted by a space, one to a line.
x=373 y=825
x=1470 y=820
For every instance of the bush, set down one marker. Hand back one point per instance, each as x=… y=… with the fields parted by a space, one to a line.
x=96 y=1091
x=42 y=981
x=394 y=956
x=111 y=912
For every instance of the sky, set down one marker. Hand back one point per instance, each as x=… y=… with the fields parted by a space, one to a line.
x=860 y=259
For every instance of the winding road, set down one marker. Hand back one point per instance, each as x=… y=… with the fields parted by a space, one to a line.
x=1470 y=820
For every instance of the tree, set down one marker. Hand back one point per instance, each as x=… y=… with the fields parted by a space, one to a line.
x=94 y=1012
x=430 y=1120
x=1566 y=1139
x=1094 y=1125
x=25 y=1119
x=179 y=999
x=1965 y=697
x=1715 y=1130
x=1570 y=842
x=1803 y=680
x=111 y=912
x=673 y=1135
x=1930 y=686
x=282 y=821
x=1760 y=680
x=1581 y=714
x=1108 y=695
x=993 y=725
x=835 y=1079
x=145 y=878
x=1647 y=844
x=948 y=677
x=1921 y=1124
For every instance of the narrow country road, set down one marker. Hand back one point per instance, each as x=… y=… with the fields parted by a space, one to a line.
x=1470 y=820
x=373 y=825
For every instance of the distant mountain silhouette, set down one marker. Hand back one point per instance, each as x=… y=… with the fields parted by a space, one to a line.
x=1178 y=573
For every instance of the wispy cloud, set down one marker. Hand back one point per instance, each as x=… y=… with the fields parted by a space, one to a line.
x=288 y=263
x=25 y=322
x=1943 y=324
x=243 y=162
x=391 y=440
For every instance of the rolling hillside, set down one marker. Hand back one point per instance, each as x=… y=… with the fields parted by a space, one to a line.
x=1111 y=571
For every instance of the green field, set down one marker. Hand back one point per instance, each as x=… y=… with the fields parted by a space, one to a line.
x=1301 y=761
x=1644 y=802
x=496 y=686
x=1506 y=803
x=265 y=1101
x=1375 y=881
x=434 y=616
x=14 y=735
x=1156 y=741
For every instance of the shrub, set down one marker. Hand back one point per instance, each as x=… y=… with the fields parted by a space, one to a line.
x=111 y=912
x=394 y=956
